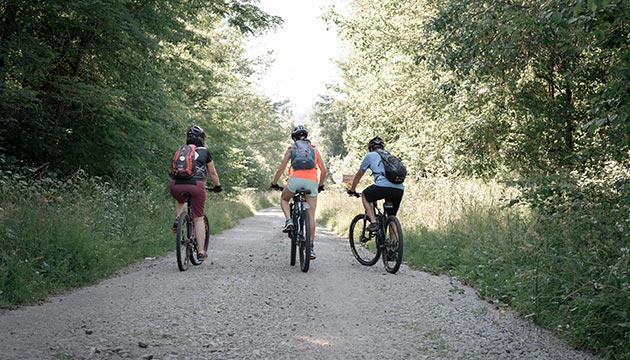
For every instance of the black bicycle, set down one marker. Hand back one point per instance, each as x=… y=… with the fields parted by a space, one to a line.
x=186 y=239
x=300 y=235
x=386 y=242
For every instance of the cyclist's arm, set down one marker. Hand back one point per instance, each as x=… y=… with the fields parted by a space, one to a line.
x=212 y=172
x=322 y=169
x=283 y=165
x=357 y=178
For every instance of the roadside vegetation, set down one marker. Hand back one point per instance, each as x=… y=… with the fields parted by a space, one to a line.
x=60 y=234
x=567 y=271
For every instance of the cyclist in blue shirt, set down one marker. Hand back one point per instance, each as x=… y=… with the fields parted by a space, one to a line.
x=382 y=188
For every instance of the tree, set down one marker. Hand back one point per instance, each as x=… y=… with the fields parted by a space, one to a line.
x=122 y=78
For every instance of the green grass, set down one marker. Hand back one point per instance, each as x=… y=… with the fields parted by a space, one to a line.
x=56 y=235
x=566 y=273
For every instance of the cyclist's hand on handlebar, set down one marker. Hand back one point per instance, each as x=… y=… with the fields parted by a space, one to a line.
x=353 y=193
x=320 y=188
x=217 y=189
x=277 y=187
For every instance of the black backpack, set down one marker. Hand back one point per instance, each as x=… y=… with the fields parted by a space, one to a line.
x=395 y=170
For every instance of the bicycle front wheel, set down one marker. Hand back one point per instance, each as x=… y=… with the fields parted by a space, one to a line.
x=304 y=241
x=362 y=242
x=393 y=247
x=182 y=242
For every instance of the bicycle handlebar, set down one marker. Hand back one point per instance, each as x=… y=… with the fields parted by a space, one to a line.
x=280 y=188
x=354 y=193
x=216 y=188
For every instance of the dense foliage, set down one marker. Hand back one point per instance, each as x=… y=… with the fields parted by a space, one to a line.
x=484 y=87
x=534 y=93
x=111 y=86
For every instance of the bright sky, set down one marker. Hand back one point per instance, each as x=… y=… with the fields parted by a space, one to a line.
x=303 y=51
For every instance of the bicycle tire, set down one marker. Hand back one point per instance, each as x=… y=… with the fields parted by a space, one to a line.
x=293 y=245
x=362 y=243
x=181 y=243
x=393 y=245
x=304 y=237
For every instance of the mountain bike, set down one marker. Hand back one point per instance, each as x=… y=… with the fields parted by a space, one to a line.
x=386 y=242
x=186 y=239
x=300 y=235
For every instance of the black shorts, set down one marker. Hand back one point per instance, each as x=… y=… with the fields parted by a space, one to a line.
x=373 y=193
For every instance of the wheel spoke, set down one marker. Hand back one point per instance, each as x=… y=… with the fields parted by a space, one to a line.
x=362 y=242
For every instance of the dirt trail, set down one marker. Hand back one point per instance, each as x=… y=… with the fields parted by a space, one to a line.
x=247 y=302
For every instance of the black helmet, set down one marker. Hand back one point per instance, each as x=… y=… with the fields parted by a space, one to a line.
x=196 y=131
x=376 y=142
x=299 y=132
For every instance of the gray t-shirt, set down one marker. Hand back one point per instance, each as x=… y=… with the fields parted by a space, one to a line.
x=373 y=162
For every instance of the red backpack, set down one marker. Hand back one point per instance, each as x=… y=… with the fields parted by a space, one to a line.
x=183 y=165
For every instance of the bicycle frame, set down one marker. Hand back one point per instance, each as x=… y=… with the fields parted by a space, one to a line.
x=298 y=204
x=300 y=236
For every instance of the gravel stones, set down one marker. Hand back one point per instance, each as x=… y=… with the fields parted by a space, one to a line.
x=247 y=302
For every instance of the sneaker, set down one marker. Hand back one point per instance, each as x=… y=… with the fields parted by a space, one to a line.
x=288 y=226
x=201 y=256
x=373 y=227
x=313 y=256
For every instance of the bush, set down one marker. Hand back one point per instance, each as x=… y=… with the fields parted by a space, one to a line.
x=62 y=233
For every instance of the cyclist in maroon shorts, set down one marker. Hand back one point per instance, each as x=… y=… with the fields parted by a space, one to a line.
x=196 y=187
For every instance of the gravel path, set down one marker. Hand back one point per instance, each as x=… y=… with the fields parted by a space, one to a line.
x=247 y=302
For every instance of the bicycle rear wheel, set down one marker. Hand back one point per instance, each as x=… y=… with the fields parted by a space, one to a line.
x=182 y=242
x=393 y=247
x=362 y=242
x=293 y=236
x=304 y=241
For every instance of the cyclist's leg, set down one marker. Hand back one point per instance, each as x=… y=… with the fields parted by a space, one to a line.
x=395 y=196
x=178 y=192
x=312 y=202
x=179 y=208
x=369 y=195
x=284 y=202
x=369 y=210
x=200 y=233
x=197 y=205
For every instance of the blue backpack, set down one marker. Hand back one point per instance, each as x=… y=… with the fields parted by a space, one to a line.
x=302 y=155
